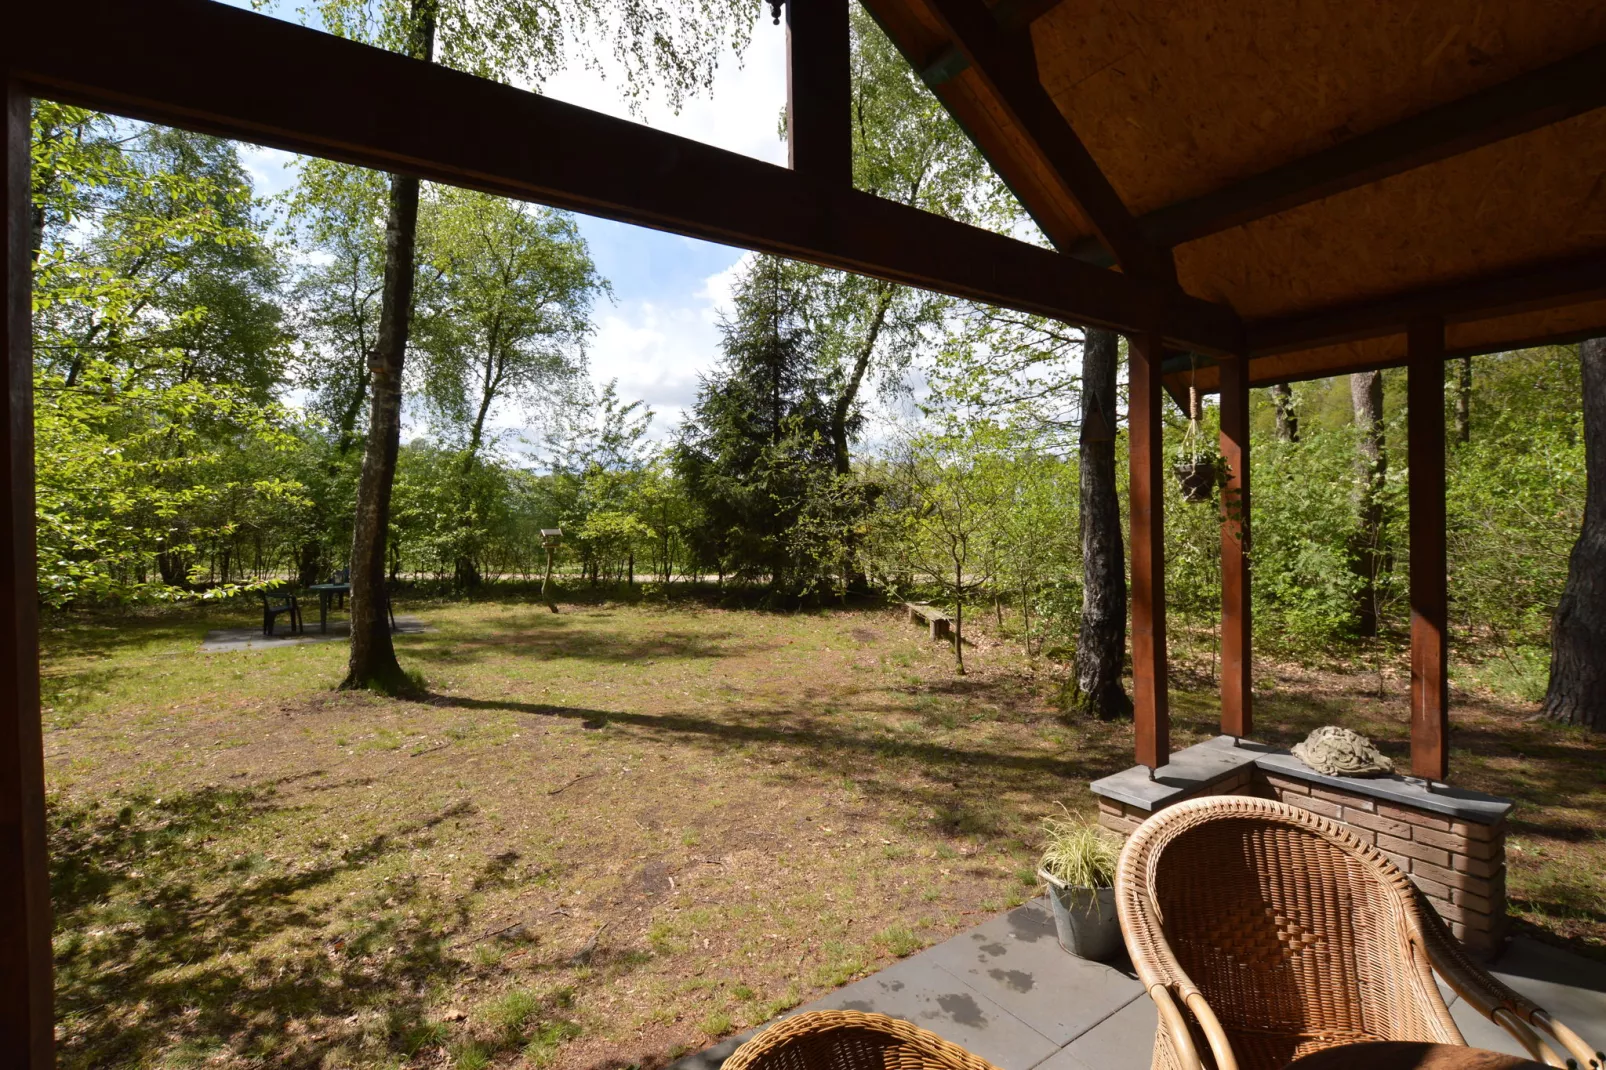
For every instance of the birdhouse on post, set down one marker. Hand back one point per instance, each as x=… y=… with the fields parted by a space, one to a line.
x=550 y=538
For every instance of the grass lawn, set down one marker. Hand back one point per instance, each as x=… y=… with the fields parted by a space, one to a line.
x=606 y=837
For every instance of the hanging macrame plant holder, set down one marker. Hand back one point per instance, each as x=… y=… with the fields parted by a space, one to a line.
x=1198 y=467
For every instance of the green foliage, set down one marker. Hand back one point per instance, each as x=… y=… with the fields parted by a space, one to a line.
x=756 y=457
x=158 y=345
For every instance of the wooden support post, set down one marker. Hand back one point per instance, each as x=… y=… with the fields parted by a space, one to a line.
x=26 y=1022
x=819 y=130
x=1430 y=689
x=1151 y=712
x=1237 y=712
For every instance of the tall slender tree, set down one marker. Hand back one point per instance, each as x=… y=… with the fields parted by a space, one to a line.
x=1282 y=400
x=1366 y=552
x=1101 y=641
x=1577 y=690
x=675 y=42
x=505 y=311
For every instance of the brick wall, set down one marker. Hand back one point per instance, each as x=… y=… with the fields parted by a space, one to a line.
x=1460 y=866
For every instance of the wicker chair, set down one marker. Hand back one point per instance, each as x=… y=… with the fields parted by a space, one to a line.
x=1264 y=933
x=850 y=1040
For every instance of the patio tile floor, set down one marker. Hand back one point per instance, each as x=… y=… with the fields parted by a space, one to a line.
x=1005 y=991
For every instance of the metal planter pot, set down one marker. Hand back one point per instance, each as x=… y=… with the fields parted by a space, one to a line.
x=1085 y=919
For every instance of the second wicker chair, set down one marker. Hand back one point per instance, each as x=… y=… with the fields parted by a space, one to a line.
x=1264 y=933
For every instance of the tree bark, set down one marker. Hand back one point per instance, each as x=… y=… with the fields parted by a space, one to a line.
x=1101 y=644
x=1577 y=691
x=1282 y=399
x=1463 y=401
x=373 y=656
x=1366 y=556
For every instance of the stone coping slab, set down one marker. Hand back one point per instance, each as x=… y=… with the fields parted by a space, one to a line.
x=1194 y=769
x=1189 y=771
x=1458 y=803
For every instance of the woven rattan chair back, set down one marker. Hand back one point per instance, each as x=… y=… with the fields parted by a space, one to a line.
x=850 y=1040
x=1296 y=935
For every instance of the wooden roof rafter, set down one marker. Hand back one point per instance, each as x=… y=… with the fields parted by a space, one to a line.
x=1002 y=60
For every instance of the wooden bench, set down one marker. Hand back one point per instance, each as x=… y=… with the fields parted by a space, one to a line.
x=942 y=625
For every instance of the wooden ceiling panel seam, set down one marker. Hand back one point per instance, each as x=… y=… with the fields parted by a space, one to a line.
x=1535 y=286
x=1526 y=199
x=1215 y=93
x=1531 y=100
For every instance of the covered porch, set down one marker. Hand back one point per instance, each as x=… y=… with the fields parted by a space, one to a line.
x=1261 y=193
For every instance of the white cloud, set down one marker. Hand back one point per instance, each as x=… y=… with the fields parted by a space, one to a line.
x=659 y=350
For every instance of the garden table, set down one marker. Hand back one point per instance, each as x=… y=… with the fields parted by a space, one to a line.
x=326 y=591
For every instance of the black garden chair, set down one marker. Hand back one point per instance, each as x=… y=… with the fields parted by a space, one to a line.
x=276 y=602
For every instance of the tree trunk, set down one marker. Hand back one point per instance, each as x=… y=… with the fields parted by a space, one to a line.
x=1366 y=551
x=1282 y=399
x=373 y=656
x=1101 y=643
x=1463 y=402
x=959 y=622
x=1577 y=691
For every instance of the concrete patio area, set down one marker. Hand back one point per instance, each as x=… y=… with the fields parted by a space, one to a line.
x=223 y=640
x=1007 y=992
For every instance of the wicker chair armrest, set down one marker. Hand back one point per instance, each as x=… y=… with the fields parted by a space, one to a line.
x=1540 y=1034
x=795 y=1044
x=1176 y=1029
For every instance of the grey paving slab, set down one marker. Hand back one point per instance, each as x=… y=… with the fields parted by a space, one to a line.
x=920 y=991
x=1123 y=1041
x=1569 y=986
x=1016 y=961
x=225 y=640
x=1007 y=992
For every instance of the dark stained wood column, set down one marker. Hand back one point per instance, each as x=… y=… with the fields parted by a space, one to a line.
x=1430 y=687
x=1151 y=711
x=26 y=1026
x=1237 y=700
x=818 y=90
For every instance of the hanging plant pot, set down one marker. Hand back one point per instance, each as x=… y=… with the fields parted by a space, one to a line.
x=1196 y=478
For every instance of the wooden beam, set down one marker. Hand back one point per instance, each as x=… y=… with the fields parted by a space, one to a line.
x=819 y=137
x=1527 y=102
x=1019 y=14
x=1304 y=366
x=1430 y=687
x=204 y=66
x=26 y=1019
x=1006 y=65
x=1523 y=289
x=1151 y=711
x=1237 y=694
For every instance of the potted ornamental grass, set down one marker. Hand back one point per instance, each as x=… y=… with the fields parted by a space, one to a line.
x=1078 y=865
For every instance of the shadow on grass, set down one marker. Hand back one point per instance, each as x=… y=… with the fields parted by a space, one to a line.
x=165 y=946
x=557 y=637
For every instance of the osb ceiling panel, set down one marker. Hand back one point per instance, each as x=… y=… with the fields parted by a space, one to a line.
x=1177 y=98
x=1539 y=196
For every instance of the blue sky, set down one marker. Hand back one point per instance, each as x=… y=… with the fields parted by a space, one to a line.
x=660 y=331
